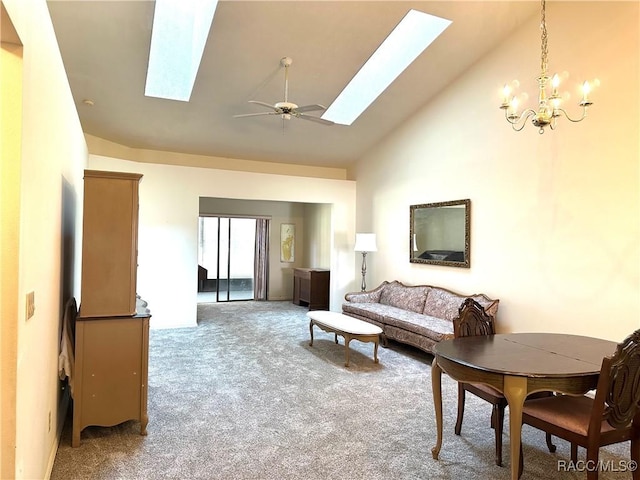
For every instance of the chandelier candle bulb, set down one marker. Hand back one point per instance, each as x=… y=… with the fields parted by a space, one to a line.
x=555 y=82
x=506 y=91
x=512 y=112
x=586 y=88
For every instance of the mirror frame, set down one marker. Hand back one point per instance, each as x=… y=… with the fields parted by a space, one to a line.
x=467 y=233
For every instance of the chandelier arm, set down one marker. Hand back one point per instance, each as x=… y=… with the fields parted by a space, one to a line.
x=514 y=120
x=513 y=125
x=574 y=120
x=520 y=120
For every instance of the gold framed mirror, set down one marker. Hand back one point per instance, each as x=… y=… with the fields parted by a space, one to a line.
x=439 y=233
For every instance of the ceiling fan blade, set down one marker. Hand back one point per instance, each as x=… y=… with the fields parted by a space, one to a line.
x=264 y=104
x=311 y=108
x=255 y=114
x=314 y=119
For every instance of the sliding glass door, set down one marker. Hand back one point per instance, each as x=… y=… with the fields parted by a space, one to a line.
x=226 y=252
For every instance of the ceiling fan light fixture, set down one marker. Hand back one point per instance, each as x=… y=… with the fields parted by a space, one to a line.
x=415 y=32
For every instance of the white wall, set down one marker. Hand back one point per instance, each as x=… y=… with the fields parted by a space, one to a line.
x=168 y=227
x=53 y=155
x=555 y=231
x=10 y=169
x=317 y=235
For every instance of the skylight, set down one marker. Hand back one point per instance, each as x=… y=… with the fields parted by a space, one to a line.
x=180 y=30
x=415 y=32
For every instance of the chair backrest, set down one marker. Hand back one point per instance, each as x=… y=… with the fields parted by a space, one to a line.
x=472 y=320
x=618 y=391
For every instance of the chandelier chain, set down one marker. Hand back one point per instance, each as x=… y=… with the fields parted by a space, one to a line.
x=543 y=27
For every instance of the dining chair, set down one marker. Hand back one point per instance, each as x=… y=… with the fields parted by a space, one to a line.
x=611 y=416
x=473 y=320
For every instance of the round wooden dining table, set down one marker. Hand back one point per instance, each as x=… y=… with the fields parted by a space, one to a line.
x=518 y=364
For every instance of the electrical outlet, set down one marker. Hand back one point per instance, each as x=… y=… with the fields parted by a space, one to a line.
x=31 y=304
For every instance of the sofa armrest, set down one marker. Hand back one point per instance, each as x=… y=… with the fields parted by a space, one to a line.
x=369 y=296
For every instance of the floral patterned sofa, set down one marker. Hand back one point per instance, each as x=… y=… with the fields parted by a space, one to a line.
x=420 y=315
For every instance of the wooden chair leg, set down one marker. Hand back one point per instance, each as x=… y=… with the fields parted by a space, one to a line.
x=574 y=453
x=592 y=459
x=550 y=445
x=498 y=426
x=521 y=462
x=461 y=398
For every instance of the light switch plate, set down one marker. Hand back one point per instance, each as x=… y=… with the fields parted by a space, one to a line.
x=31 y=304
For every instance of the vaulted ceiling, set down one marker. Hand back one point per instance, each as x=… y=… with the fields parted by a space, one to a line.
x=105 y=49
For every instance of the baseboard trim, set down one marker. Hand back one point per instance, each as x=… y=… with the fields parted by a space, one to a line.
x=61 y=418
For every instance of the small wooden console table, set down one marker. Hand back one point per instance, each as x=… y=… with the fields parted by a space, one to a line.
x=311 y=287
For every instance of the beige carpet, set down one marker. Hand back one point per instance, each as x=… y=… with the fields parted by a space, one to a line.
x=243 y=396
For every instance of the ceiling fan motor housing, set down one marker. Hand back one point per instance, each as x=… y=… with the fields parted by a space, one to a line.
x=286 y=107
x=286 y=61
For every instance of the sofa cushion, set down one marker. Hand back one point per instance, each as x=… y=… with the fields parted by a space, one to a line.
x=396 y=294
x=434 y=328
x=374 y=311
x=403 y=336
x=442 y=303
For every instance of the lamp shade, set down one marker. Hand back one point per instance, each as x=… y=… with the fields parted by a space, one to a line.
x=365 y=242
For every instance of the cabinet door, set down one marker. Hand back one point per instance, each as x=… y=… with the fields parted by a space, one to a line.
x=319 y=294
x=110 y=242
x=112 y=371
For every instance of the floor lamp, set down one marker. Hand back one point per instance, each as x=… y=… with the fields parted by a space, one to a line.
x=365 y=243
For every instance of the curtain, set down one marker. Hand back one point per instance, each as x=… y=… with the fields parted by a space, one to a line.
x=261 y=264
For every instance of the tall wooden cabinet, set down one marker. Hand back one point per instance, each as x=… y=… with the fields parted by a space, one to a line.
x=112 y=327
x=110 y=243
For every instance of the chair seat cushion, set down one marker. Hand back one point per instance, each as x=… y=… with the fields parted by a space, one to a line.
x=568 y=412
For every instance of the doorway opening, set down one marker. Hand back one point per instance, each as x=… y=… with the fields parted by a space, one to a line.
x=226 y=258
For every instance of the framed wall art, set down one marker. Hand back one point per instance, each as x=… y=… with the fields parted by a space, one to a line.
x=287 y=242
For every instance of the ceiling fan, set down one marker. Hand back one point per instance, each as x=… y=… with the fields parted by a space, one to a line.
x=286 y=109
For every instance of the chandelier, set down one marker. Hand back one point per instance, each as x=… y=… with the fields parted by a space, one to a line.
x=548 y=106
